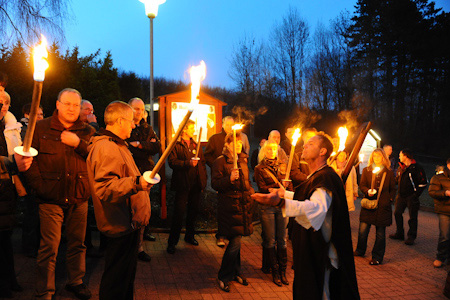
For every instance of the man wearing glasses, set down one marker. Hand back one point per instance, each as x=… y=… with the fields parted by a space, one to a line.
x=58 y=175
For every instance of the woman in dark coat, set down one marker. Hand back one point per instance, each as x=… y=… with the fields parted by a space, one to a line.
x=272 y=220
x=234 y=208
x=381 y=216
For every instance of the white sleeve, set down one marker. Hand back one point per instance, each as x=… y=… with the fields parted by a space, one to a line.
x=310 y=212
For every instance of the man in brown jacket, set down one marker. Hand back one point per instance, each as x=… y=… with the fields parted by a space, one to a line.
x=58 y=176
x=121 y=200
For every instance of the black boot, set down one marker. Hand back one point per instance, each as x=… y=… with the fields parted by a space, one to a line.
x=274 y=265
x=265 y=262
x=282 y=262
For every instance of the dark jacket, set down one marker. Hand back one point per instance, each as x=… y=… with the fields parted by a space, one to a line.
x=214 y=147
x=264 y=180
x=235 y=205
x=58 y=174
x=438 y=185
x=143 y=156
x=412 y=180
x=184 y=176
x=382 y=215
x=7 y=189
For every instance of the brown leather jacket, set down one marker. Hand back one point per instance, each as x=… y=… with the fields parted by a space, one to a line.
x=58 y=174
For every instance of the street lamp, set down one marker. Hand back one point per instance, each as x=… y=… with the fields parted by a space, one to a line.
x=151 y=10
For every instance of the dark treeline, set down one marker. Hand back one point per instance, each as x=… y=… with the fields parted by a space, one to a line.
x=388 y=63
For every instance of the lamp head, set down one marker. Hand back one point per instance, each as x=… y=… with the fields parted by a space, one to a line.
x=151 y=7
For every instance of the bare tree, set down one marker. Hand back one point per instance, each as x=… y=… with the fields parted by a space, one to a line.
x=25 y=20
x=288 y=48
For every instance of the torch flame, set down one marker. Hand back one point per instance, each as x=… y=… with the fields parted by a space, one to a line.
x=361 y=157
x=198 y=74
x=342 y=133
x=376 y=170
x=40 y=55
x=237 y=126
x=296 y=136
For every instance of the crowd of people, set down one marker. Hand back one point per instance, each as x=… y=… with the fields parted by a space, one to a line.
x=80 y=163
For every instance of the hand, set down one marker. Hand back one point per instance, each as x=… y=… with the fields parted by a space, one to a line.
x=447 y=193
x=23 y=162
x=144 y=184
x=135 y=144
x=193 y=162
x=271 y=199
x=70 y=139
x=371 y=192
x=234 y=175
x=91 y=118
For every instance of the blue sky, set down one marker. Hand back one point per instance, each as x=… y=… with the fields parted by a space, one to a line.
x=186 y=31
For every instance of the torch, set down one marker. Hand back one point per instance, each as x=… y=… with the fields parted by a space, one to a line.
x=198 y=145
x=343 y=134
x=40 y=55
x=235 y=158
x=374 y=174
x=361 y=159
x=197 y=74
x=295 y=138
x=355 y=151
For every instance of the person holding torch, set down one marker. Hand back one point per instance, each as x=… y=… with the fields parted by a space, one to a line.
x=377 y=184
x=234 y=207
x=188 y=181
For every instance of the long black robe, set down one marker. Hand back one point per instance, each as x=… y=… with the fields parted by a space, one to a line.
x=311 y=250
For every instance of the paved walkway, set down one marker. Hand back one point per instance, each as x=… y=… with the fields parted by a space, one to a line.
x=406 y=273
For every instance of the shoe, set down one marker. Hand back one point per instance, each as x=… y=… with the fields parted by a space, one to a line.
x=241 y=280
x=356 y=253
x=223 y=286
x=144 y=256
x=396 y=237
x=191 y=241
x=149 y=237
x=80 y=291
x=409 y=241
x=171 y=249
x=374 y=262
x=220 y=242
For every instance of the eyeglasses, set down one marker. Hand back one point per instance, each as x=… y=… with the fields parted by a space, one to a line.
x=67 y=104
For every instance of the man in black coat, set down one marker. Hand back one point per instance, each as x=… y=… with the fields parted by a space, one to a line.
x=321 y=228
x=412 y=181
x=143 y=144
x=188 y=180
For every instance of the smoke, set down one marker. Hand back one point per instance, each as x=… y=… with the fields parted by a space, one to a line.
x=246 y=116
x=304 y=117
x=362 y=107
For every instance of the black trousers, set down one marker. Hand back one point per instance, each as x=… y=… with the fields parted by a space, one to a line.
x=120 y=267
x=413 y=204
x=7 y=273
x=231 y=260
x=185 y=199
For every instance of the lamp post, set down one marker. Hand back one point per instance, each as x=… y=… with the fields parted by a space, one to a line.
x=151 y=10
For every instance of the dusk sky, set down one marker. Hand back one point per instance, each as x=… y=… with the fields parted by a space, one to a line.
x=186 y=32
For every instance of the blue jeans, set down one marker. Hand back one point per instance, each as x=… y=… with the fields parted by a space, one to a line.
x=273 y=227
x=231 y=261
x=380 y=241
x=444 y=238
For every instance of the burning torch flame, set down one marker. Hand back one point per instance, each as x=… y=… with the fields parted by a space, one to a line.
x=342 y=133
x=237 y=126
x=376 y=170
x=296 y=136
x=40 y=55
x=198 y=74
x=361 y=157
